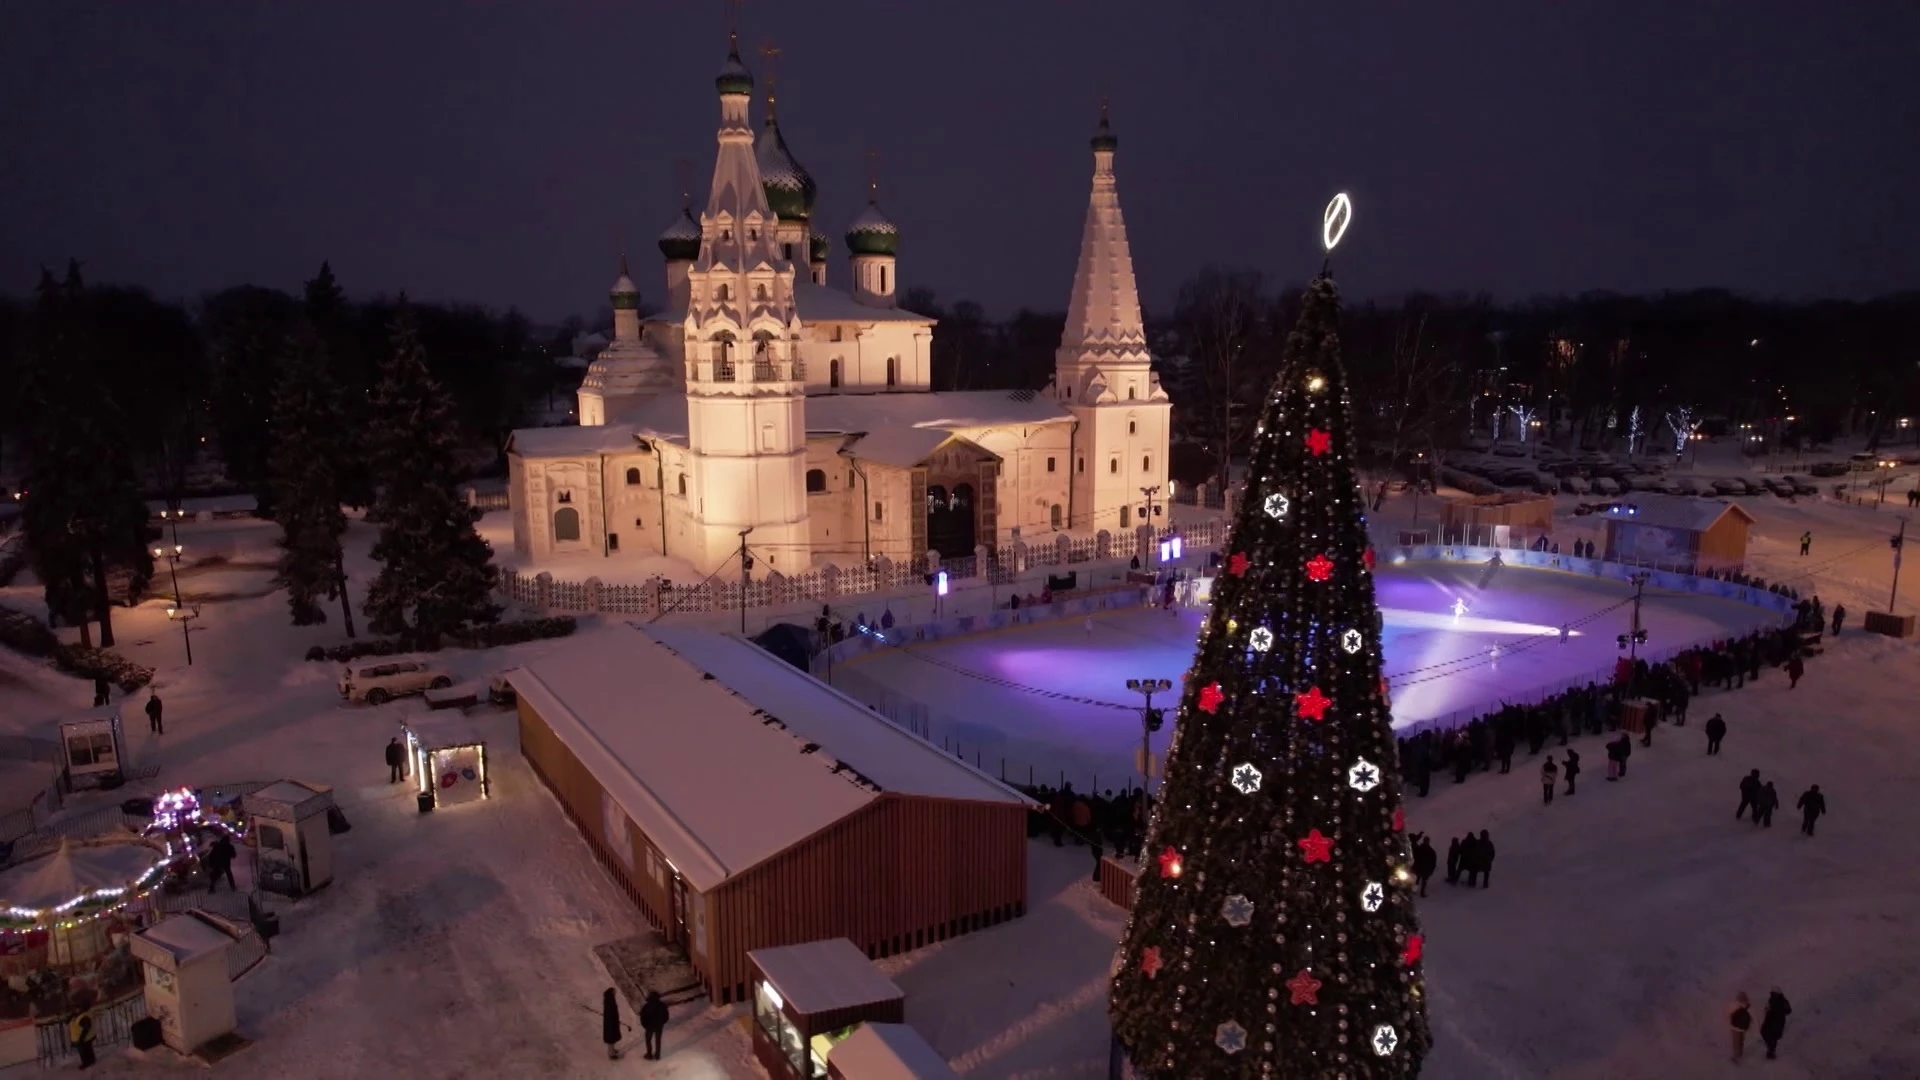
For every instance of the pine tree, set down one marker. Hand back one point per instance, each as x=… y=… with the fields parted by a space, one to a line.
x=436 y=573
x=1273 y=931
x=309 y=445
x=85 y=520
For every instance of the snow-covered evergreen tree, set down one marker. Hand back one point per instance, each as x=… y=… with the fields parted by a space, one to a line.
x=310 y=444
x=436 y=573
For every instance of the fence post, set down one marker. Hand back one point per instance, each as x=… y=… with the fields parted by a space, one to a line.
x=543 y=591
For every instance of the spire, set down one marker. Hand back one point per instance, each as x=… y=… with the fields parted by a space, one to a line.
x=1103 y=315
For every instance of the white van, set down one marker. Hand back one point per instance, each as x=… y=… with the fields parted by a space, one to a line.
x=377 y=682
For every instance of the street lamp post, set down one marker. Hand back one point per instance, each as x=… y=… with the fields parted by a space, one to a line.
x=172 y=555
x=1150 y=722
x=746 y=569
x=184 y=616
x=1636 y=636
x=1150 y=492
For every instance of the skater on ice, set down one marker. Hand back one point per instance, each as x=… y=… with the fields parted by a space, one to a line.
x=1773 y=1023
x=1459 y=607
x=1811 y=805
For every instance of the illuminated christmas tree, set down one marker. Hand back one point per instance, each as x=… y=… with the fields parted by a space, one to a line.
x=1273 y=931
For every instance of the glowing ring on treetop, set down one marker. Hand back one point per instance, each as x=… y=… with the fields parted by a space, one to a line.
x=1334 y=221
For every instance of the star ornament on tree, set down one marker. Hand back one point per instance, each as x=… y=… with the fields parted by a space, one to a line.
x=1312 y=705
x=1316 y=847
x=1303 y=989
x=1246 y=779
x=1277 y=505
x=1363 y=776
x=1150 y=962
x=1416 y=948
x=1260 y=638
x=1373 y=897
x=1351 y=641
x=1384 y=1040
x=1211 y=697
x=1169 y=863
x=1230 y=1037
x=1318 y=442
x=1238 y=910
x=1319 y=568
x=1237 y=564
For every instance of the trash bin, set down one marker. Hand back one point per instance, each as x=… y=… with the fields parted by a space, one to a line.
x=426 y=801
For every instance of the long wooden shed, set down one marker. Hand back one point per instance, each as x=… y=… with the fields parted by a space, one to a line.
x=743 y=804
x=1701 y=535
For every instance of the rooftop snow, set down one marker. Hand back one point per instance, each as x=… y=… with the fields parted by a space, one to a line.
x=889 y=1052
x=713 y=786
x=845 y=730
x=850 y=413
x=571 y=440
x=1674 y=512
x=900 y=447
x=824 y=303
x=443 y=728
x=186 y=936
x=824 y=976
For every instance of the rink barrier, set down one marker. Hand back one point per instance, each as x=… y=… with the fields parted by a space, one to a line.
x=861 y=642
x=1659 y=578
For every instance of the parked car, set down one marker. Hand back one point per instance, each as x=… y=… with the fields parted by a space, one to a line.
x=1605 y=485
x=1729 y=487
x=1801 y=487
x=1686 y=485
x=1574 y=485
x=380 y=681
x=1779 y=487
x=1829 y=468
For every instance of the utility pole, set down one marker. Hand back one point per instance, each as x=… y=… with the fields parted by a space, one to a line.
x=1633 y=639
x=1150 y=492
x=1150 y=722
x=1899 y=544
x=746 y=567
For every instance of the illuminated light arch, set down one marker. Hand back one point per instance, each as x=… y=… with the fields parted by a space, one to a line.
x=1334 y=222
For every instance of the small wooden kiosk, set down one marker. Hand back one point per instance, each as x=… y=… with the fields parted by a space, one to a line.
x=93 y=751
x=289 y=821
x=887 y=1052
x=188 y=988
x=448 y=758
x=807 y=998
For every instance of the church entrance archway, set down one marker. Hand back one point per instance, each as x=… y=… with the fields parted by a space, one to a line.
x=950 y=520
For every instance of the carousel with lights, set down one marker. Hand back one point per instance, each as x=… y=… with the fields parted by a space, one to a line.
x=66 y=918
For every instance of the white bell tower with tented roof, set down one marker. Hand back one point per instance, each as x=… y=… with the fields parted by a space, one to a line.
x=1104 y=375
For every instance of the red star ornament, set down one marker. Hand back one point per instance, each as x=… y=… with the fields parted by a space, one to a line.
x=1319 y=568
x=1211 y=697
x=1416 y=946
x=1237 y=565
x=1316 y=847
x=1304 y=989
x=1312 y=705
x=1367 y=558
x=1399 y=819
x=1169 y=863
x=1150 y=963
x=1318 y=442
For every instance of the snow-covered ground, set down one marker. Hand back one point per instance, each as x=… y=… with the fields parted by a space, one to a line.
x=459 y=943
x=1049 y=701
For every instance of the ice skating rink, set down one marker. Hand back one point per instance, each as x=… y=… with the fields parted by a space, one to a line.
x=1050 y=700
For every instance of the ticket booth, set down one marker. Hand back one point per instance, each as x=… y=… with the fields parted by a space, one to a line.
x=93 y=750
x=448 y=759
x=289 y=822
x=188 y=988
x=887 y=1052
x=807 y=998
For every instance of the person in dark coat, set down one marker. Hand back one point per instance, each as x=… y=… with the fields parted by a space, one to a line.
x=610 y=1022
x=1739 y=1020
x=1572 y=771
x=103 y=690
x=1549 y=779
x=153 y=713
x=396 y=759
x=1839 y=617
x=1503 y=746
x=1812 y=804
x=1425 y=860
x=220 y=863
x=1470 y=859
x=1453 y=861
x=1483 y=856
x=1716 y=730
x=1795 y=669
x=1749 y=795
x=653 y=1023
x=1764 y=806
x=1773 y=1023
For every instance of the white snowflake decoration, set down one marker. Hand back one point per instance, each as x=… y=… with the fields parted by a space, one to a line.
x=1246 y=779
x=1373 y=897
x=1238 y=910
x=1351 y=641
x=1364 y=776
x=1385 y=1040
x=1277 y=505
x=1232 y=1038
x=1261 y=639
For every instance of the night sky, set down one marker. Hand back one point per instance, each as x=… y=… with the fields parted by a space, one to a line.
x=503 y=152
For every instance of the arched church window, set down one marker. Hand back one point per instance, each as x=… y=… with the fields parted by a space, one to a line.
x=726 y=234
x=883 y=280
x=633 y=477
x=1130 y=393
x=833 y=374
x=816 y=481
x=721 y=294
x=893 y=371
x=566 y=524
x=759 y=292
x=1146 y=464
x=683 y=485
x=1055 y=516
x=753 y=234
x=564 y=496
x=1132 y=427
x=1113 y=465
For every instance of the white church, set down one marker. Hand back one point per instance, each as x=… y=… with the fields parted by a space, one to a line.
x=764 y=398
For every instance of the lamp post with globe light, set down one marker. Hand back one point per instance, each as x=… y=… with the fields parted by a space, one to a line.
x=172 y=555
x=1151 y=720
x=184 y=616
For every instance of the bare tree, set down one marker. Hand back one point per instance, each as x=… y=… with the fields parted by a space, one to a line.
x=1219 y=315
x=1414 y=401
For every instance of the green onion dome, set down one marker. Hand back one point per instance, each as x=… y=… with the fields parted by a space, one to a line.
x=790 y=188
x=625 y=294
x=734 y=78
x=681 y=241
x=872 y=233
x=1103 y=136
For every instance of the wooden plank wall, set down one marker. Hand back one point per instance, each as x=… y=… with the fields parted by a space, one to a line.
x=902 y=873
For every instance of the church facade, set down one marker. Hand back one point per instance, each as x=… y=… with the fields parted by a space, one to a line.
x=768 y=410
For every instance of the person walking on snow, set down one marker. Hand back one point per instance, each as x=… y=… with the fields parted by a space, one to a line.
x=102 y=691
x=1483 y=850
x=1573 y=767
x=1549 y=778
x=1806 y=542
x=1839 y=616
x=610 y=1022
x=1470 y=859
x=396 y=758
x=1749 y=795
x=1716 y=730
x=80 y=1035
x=1795 y=669
x=1453 y=861
x=1773 y=1023
x=220 y=864
x=1739 y=1019
x=653 y=1023
x=1425 y=860
x=1811 y=805
x=153 y=713
x=1763 y=807
x=1503 y=747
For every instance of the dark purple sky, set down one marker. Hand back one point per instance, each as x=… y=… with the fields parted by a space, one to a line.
x=501 y=152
